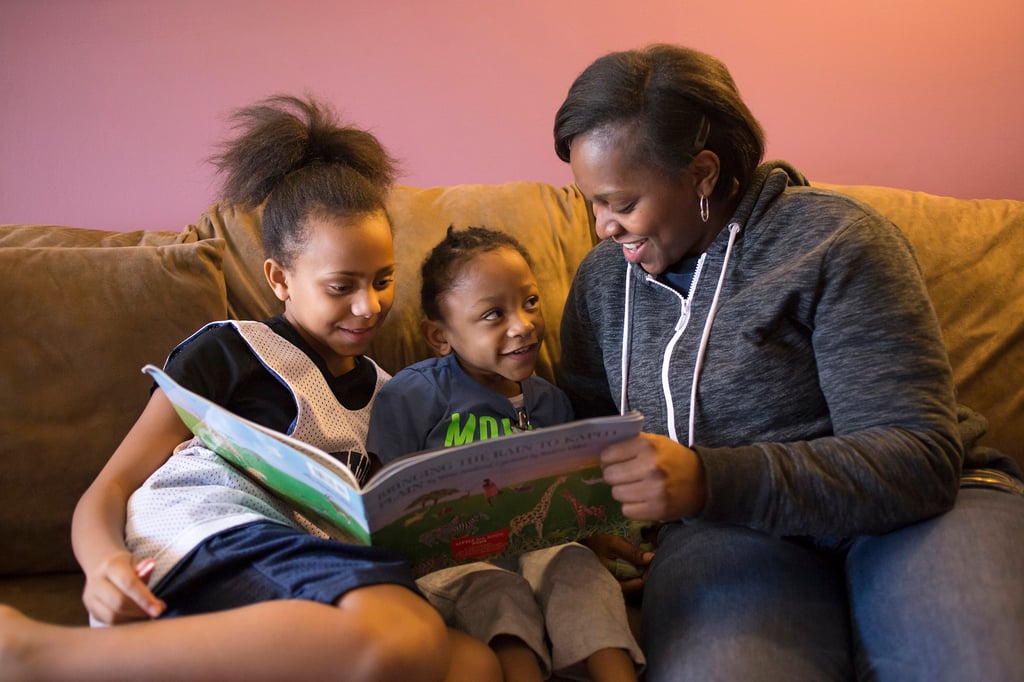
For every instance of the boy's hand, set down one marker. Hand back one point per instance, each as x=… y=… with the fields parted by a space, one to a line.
x=117 y=591
x=627 y=562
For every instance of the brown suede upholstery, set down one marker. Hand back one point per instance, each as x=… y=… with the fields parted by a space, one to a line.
x=87 y=308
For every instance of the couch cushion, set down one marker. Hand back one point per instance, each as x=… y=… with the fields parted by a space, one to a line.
x=51 y=597
x=80 y=324
x=552 y=223
x=58 y=235
x=970 y=252
x=249 y=295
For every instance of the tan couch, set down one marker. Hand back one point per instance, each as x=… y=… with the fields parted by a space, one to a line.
x=85 y=309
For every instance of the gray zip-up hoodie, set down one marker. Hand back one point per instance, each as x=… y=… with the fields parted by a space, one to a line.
x=824 y=400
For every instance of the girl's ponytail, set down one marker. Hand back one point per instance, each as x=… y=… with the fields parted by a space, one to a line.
x=292 y=157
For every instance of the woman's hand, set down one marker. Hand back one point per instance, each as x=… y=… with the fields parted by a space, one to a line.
x=655 y=478
x=117 y=592
x=627 y=562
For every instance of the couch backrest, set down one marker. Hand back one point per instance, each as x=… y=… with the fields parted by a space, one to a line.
x=83 y=311
x=89 y=307
x=552 y=223
x=968 y=250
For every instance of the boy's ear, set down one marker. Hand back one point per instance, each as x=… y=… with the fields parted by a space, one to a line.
x=434 y=334
x=277 y=278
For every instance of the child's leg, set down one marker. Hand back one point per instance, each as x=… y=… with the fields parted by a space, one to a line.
x=584 y=610
x=375 y=633
x=518 y=662
x=472 y=660
x=611 y=665
x=495 y=606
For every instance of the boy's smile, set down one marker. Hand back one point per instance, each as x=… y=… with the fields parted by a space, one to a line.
x=492 y=320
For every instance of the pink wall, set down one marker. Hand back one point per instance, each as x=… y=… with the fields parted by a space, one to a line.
x=108 y=108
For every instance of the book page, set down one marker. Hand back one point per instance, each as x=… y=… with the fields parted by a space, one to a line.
x=498 y=497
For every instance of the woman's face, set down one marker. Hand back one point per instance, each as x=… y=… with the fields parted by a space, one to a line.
x=653 y=216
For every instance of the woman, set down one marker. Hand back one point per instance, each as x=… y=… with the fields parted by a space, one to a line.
x=804 y=441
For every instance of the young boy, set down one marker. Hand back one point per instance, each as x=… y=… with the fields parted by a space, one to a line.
x=483 y=316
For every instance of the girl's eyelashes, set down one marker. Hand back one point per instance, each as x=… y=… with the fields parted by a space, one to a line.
x=379 y=285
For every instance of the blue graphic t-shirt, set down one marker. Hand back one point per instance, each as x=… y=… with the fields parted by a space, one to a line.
x=434 y=404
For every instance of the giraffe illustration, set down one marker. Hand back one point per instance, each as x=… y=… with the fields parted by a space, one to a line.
x=536 y=515
x=582 y=510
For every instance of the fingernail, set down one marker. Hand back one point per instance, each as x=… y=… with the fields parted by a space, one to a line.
x=144 y=568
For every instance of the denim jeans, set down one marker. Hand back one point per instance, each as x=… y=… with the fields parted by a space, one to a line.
x=939 y=600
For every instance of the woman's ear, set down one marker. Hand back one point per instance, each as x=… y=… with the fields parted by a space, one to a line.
x=705 y=168
x=277 y=278
x=434 y=334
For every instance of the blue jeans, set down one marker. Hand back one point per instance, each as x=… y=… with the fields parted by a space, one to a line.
x=940 y=600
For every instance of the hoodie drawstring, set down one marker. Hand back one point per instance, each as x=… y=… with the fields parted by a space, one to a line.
x=734 y=229
x=625 y=344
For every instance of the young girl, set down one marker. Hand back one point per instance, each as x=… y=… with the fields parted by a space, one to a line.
x=483 y=316
x=278 y=602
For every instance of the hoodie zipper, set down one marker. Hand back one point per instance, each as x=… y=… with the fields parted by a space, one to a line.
x=680 y=327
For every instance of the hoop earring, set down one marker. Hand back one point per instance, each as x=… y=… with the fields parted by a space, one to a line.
x=705 y=210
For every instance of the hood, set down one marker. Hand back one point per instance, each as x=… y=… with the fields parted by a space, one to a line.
x=769 y=181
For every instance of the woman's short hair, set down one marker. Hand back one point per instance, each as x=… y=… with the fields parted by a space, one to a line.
x=679 y=100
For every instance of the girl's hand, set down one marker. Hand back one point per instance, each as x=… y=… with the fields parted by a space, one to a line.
x=627 y=562
x=117 y=591
x=655 y=478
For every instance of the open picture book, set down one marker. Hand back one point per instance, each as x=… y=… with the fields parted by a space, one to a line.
x=492 y=498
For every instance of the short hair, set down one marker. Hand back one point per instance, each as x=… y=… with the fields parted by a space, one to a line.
x=441 y=267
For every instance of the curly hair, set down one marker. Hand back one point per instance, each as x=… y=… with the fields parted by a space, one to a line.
x=442 y=265
x=293 y=157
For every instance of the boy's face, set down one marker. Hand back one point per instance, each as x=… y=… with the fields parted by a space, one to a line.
x=492 y=320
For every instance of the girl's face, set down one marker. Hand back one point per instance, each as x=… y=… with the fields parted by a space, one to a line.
x=340 y=286
x=653 y=216
x=492 y=320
